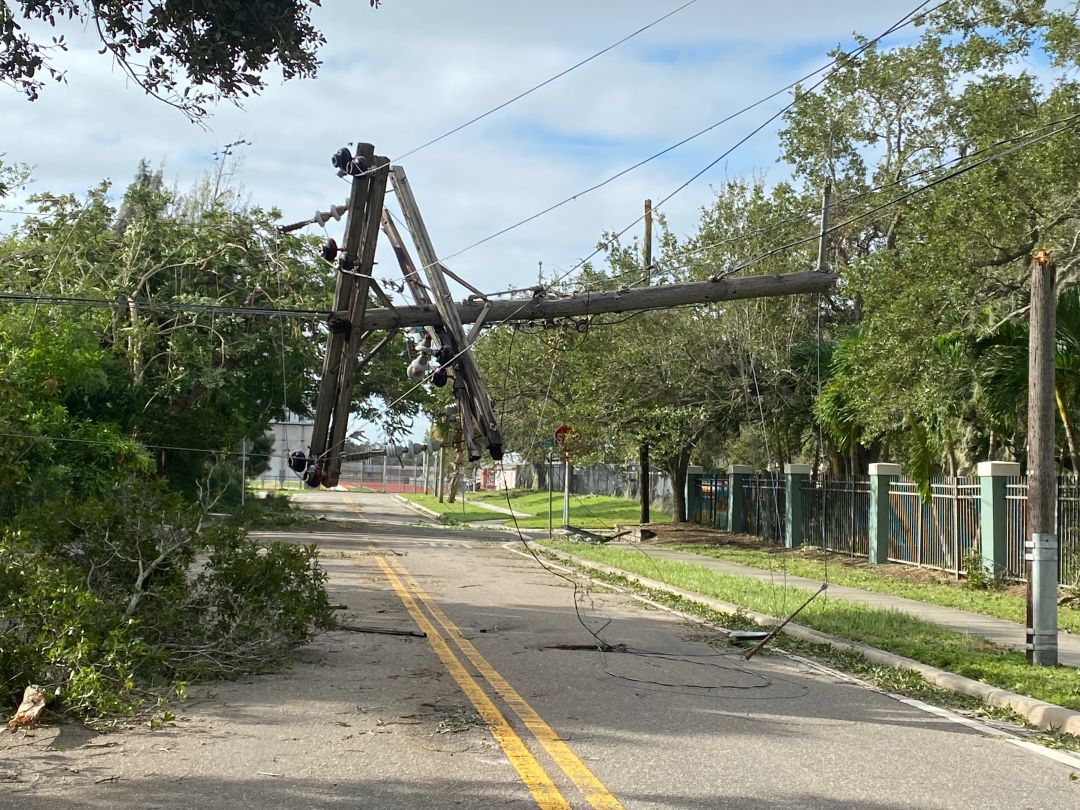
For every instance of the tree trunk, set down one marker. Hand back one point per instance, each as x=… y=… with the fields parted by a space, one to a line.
x=644 y=495
x=677 y=470
x=539 y=483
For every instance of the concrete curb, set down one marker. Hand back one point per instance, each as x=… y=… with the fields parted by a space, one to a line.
x=1046 y=716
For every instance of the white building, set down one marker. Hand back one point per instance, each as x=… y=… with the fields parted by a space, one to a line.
x=289 y=436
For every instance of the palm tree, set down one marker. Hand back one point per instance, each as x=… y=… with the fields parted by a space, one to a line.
x=1002 y=373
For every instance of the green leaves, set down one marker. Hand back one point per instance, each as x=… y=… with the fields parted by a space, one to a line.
x=187 y=55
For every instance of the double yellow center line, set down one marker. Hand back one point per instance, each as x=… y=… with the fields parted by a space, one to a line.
x=529 y=769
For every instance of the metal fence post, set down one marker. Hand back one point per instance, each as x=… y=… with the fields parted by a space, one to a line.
x=737 y=475
x=993 y=477
x=795 y=503
x=881 y=475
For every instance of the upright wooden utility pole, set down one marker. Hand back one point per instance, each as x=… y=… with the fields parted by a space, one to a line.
x=643 y=450
x=1041 y=559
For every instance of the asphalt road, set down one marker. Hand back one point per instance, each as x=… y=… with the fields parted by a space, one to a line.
x=507 y=702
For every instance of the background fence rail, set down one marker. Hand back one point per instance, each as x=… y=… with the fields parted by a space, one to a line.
x=943 y=532
x=709 y=504
x=837 y=514
x=764 y=505
x=1067 y=522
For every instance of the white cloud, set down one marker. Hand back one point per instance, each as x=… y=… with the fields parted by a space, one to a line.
x=415 y=68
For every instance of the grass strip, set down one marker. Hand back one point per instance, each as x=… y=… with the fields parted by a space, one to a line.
x=889 y=630
x=586 y=511
x=987 y=602
x=460 y=512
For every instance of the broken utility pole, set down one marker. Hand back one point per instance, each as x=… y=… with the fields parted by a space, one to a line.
x=469 y=388
x=444 y=343
x=349 y=325
x=542 y=306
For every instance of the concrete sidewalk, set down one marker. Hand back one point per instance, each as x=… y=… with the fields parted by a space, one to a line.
x=998 y=631
x=503 y=510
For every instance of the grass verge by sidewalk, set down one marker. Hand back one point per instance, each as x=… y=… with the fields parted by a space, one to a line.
x=988 y=602
x=459 y=512
x=887 y=630
x=586 y=511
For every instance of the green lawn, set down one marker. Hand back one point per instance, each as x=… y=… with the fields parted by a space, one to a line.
x=955 y=595
x=586 y=511
x=460 y=512
x=887 y=630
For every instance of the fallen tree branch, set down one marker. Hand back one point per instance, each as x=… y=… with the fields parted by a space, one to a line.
x=353 y=628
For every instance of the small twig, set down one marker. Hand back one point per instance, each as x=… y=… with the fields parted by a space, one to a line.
x=106 y=779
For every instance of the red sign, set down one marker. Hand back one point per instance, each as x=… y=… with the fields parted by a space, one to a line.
x=560 y=435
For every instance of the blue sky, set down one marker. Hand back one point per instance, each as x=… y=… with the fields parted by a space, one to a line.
x=415 y=68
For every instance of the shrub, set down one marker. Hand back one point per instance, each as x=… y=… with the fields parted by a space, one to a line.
x=107 y=602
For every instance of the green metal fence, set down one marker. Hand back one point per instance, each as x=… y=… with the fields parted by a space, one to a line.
x=837 y=514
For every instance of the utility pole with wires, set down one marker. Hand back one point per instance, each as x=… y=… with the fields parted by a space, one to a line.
x=644 y=495
x=1041 y=546
x=445 y=342
x=823 y=234
x=441 y=346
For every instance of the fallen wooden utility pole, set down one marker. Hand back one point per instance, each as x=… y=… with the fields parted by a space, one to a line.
x=541 y=307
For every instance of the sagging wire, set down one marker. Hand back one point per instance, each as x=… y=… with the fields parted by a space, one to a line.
x=831 y=67
x=140 y=445
x=604 y=646
x=546 y=82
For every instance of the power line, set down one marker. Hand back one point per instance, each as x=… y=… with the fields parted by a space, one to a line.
x=154 y=306
x=1061 y=124
x=544 y=83
x=102 y=443
x=836 y=64
x=908 y=194
x=839 y=203
x=905 y=21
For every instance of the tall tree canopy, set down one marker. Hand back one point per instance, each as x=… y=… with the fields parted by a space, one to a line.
x=188 y=54
x=952 y=157
x=167 y=353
